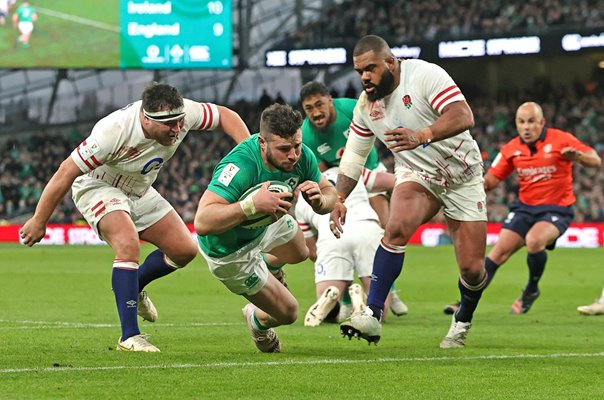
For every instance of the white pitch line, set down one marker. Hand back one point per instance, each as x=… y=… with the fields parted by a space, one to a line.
x=79 y=20
x=300 y=362
x=76 y=325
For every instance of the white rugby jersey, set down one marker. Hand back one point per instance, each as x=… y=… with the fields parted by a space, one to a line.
x=424 y=90
x=118 y=153
x=357 y=204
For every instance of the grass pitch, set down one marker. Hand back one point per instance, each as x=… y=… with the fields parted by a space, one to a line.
x=68 y=34
x=59 y=328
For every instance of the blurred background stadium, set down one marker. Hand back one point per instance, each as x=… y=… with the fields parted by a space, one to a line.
x=501 y=53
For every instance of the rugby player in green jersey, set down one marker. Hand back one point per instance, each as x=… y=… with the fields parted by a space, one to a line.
x=241 y=257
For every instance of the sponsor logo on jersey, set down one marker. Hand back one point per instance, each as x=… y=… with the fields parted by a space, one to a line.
x=534 y=174
x=153 y=164
x=407 y=101
x=324 y=148
x=228 y=173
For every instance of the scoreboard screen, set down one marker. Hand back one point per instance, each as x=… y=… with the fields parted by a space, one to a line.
x=176 y=34
x=148 y=34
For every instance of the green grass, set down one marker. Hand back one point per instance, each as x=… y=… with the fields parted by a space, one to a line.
x=59 y=327
x=68 y=34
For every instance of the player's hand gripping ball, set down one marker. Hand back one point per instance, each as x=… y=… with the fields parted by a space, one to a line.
x=259 y=219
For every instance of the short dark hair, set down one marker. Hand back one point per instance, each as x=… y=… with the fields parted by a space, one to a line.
x=371 y=43
x=160 y=95
x=313 y=88
x=281 y=120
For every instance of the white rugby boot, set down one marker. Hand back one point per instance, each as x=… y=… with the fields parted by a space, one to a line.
x=358 y=298
x=596 y=308
x=146 y=309
x=362 y=325
x=397 y=306
x=319 y=310
x=137 y=343
x=456 y=337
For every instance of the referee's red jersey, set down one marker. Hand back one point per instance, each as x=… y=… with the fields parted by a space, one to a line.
x=545 y=176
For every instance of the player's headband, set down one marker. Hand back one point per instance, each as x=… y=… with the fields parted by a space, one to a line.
x=166 y=115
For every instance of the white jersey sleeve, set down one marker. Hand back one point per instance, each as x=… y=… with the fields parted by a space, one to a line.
x=201 y=116
x=307 y=219
x=439 y=88
x=98 y=147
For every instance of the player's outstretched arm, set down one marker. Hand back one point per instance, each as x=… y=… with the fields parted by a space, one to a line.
x=232 y=124
x=35 y=228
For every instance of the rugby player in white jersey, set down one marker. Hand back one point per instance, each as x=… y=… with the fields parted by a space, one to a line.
x=420 y=114
x=110 y=174
x=337 y=259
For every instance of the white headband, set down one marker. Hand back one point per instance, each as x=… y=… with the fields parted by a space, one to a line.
x=166 y=115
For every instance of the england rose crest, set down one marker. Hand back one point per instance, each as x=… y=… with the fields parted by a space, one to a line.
x=407 y=101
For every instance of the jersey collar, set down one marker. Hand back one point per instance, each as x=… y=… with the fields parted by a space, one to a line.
x=541 y=137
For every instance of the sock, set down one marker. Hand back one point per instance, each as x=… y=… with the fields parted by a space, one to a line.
x=470 y=295
x=346 y=300
x=387 y=266
x=332 y=316
x=536 y=264
x=272 y=268
x=256 y=324
x=124 y=280
x=154 y=267
x=602 y=297
x=491 y=268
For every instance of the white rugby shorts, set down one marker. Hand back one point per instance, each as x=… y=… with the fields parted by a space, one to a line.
x=95 y=199
x=339 y=259
x=461 y=202
x=244 y=271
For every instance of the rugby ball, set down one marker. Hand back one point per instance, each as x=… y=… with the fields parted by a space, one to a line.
x=260 y=220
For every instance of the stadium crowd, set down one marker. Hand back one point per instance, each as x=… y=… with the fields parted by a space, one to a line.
x=26 y=165
x=402 y=21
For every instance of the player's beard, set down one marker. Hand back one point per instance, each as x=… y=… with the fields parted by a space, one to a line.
x=280 y=166
x=382 y=89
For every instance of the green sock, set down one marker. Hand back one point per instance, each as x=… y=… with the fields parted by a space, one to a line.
x=346 y=298
x=256 y=324
x=271 y=267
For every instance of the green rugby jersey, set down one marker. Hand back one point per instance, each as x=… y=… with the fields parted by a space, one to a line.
x=26 y=13
x=240 y=170
x=328 y=145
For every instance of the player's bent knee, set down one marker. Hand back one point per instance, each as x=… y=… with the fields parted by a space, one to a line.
x=290 y=316
x=180 y=260
x=471 y=275
x=534 y=245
